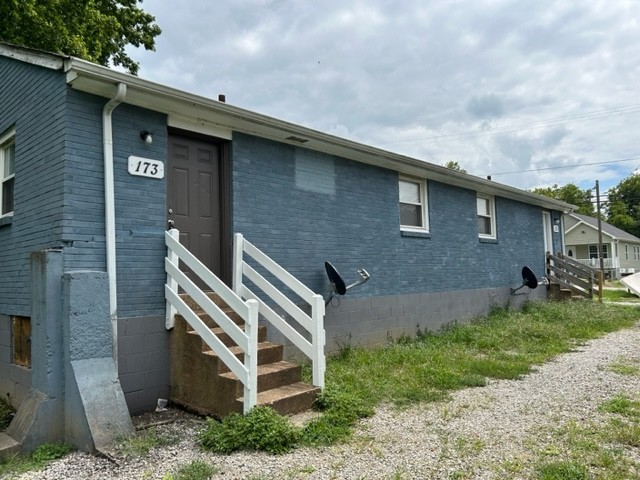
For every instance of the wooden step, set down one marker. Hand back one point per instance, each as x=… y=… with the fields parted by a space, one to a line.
x=211 y=323
x=270 y=376
x=289 y=399
x=267 y=353
x=194 y=306
x=201 y=382
x=225 y=338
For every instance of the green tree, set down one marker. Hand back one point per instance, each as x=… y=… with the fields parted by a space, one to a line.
x=454 y=166
x=624 y=205
x=572 y=194
x=95 y=30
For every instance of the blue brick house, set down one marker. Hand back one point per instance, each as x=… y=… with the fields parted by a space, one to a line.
x=95 y=164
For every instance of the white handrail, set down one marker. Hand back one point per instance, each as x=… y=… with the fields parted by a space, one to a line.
x=247 y=340
x=313 y=324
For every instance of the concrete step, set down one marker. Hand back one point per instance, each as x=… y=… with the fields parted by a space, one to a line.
x=8 y=446
x=218 y=301
x=289 y=399
x=211 y=323
x=267 y=353
x=270 y=376
x=225 y=338
x=201 y=382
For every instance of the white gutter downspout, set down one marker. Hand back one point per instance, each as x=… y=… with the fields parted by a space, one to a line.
x=109 y=211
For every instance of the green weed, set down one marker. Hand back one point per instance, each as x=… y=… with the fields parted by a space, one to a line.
x=261 y=429
x=142 y=442
x=340 y=412
x=37 y=460
x=562 y=471
x=625 y=367
x=622 y=405
x=6 y=415
x=619 y=296
x=196 y=470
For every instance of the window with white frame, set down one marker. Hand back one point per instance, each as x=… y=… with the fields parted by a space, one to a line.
x=626 y=252
x=486 y=216
x=7 y=172
x=413 y=204
x=636 y=252
x=593 y=251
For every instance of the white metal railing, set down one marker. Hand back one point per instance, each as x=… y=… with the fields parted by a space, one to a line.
x=314 y=323
x=595 y=262
x=247 y=339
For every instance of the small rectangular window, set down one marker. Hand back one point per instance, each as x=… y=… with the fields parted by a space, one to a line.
x=486 y=216
x=626 y=252
x=413 y=204
x=7 y=172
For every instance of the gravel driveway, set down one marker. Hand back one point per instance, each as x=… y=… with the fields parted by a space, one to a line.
x=481 y=433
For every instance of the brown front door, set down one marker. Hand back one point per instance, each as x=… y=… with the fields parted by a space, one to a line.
x=193 y=198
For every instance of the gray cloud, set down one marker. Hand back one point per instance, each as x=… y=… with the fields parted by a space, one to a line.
x=485 y=106
x=486 y=83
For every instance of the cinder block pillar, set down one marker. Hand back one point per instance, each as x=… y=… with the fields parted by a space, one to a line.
x=40 y=417
x=96 y=413
x=76 y=395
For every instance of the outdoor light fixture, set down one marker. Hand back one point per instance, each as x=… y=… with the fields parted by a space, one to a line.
x=146 y=136
x=556 y=220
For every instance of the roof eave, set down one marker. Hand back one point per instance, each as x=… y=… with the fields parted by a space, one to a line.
x=91 y=78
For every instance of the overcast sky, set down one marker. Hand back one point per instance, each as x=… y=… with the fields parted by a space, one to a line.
x=497 y=86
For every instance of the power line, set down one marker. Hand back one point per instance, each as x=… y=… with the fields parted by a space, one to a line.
x=566 y=166
x=593 y=115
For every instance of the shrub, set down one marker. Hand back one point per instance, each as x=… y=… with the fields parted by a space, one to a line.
x=261 y=429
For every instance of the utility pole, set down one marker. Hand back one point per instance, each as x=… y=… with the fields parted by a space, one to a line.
x=601 y=273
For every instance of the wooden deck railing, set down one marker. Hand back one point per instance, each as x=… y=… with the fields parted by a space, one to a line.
x=572 y=275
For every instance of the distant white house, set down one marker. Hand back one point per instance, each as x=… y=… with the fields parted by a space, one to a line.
x=620 y=249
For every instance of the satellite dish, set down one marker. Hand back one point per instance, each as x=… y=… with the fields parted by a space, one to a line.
x=337 y=283
x=338 y=287
x=528 y=280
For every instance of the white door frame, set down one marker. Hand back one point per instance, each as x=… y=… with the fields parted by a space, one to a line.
x=547 y=229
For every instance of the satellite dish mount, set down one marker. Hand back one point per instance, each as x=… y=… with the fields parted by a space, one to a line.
x=528 y=280
x=337 y=285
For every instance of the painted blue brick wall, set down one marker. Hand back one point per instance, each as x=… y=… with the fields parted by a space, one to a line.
x=32 y=99
x=59 y=189
x=351 y=219
x=140 y=201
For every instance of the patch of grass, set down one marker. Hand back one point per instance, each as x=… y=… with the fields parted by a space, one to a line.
x=196 y=470
x=562 y=471
x=140 y=444
x=340 y=412
x=468 y=446
x=6 y=414
x=37 y=460
x=505 y=345
x=625 y=367
x=593 y=451
x=619 y=296
x=622 y=405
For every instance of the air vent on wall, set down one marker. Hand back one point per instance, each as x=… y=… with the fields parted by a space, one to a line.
x=296 y=139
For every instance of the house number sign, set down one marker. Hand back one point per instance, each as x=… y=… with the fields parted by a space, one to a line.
x=145 y=167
